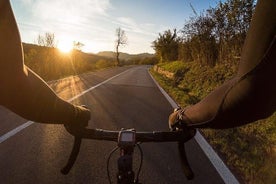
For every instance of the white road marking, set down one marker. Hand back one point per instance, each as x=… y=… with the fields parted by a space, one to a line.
x=219 y=165
x=28 y=123
x=15 y=131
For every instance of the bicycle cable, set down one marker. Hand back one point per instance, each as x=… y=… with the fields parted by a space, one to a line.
x=139 y=169
x=107 y=168
x=141 y=162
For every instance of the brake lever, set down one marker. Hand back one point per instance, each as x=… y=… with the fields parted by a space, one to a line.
x=183 y=156
x=73 y=156
x=184 y=161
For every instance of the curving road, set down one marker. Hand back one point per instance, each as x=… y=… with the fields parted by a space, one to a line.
x=130 y=100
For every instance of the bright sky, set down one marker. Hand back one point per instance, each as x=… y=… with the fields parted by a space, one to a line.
x=93 y=22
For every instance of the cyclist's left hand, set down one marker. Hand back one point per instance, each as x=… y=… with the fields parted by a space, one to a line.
x=83 y=115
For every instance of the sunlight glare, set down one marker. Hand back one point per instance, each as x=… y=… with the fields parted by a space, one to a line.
x=65 y=46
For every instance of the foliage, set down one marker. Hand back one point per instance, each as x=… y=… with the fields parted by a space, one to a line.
x=166 y=46
x=198 y=38
x=249 y=150
x=214 y=36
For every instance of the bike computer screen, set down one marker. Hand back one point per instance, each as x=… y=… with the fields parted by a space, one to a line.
x=126 y=138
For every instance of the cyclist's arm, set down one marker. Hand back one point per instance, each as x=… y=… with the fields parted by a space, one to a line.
x=22 y=91
x=251 y=94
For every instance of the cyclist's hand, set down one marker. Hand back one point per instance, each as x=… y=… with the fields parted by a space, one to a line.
x=178 y=120
x=83 y=115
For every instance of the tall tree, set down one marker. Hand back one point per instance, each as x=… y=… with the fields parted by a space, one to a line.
x=232 y=20
x=121 y=40
x=199 y=40
x=166 y=46
x=217 y=35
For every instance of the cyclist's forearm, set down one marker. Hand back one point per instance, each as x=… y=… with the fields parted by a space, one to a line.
x=22 y=91
x=32 y=98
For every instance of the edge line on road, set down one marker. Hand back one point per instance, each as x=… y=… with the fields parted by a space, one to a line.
x=216 y=161
x=29 y=123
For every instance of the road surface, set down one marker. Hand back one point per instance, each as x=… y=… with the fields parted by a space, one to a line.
x=130 y=100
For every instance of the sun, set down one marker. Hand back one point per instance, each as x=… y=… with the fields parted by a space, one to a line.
x=65 y=46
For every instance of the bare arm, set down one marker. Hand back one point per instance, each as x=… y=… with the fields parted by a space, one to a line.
x=22 y=91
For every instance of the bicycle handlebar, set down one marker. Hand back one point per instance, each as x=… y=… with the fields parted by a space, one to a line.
x=155 y=136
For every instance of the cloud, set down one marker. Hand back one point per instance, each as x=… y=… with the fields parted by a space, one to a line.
x=131 y=25
x=64 y=16
x=69 y=11
x=88 y=21
x=56 y=14
x=27 y=2
x=128 y=22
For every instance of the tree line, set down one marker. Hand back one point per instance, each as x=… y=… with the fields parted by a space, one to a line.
x=213 y=36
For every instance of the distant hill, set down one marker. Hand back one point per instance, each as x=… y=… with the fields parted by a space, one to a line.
x=125 y=56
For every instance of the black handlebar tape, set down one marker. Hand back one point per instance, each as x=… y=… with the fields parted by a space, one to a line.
x=184 y=161
x=73 y=156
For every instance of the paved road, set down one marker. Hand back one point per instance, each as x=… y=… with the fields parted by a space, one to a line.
x=131 y=100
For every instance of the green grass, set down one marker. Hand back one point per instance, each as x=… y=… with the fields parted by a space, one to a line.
x=249 y=150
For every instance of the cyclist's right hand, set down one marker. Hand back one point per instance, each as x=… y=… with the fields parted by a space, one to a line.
x=83 y=115
x=177 y=119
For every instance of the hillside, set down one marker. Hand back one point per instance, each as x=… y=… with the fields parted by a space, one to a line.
x=50 y=63
x=92 y=57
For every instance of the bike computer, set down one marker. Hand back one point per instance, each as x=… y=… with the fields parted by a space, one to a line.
x=126 y=138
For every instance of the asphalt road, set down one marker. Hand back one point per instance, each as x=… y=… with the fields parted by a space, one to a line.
x=132 y=100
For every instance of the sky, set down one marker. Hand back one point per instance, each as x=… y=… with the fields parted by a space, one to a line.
x=94 y=22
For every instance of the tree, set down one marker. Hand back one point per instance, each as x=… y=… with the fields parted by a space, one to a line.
x=232 y=19
x=166 y=46
x=213 y=36
x=199 y=40
x=47 y=40
x=121 y=40
x=218 y=34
